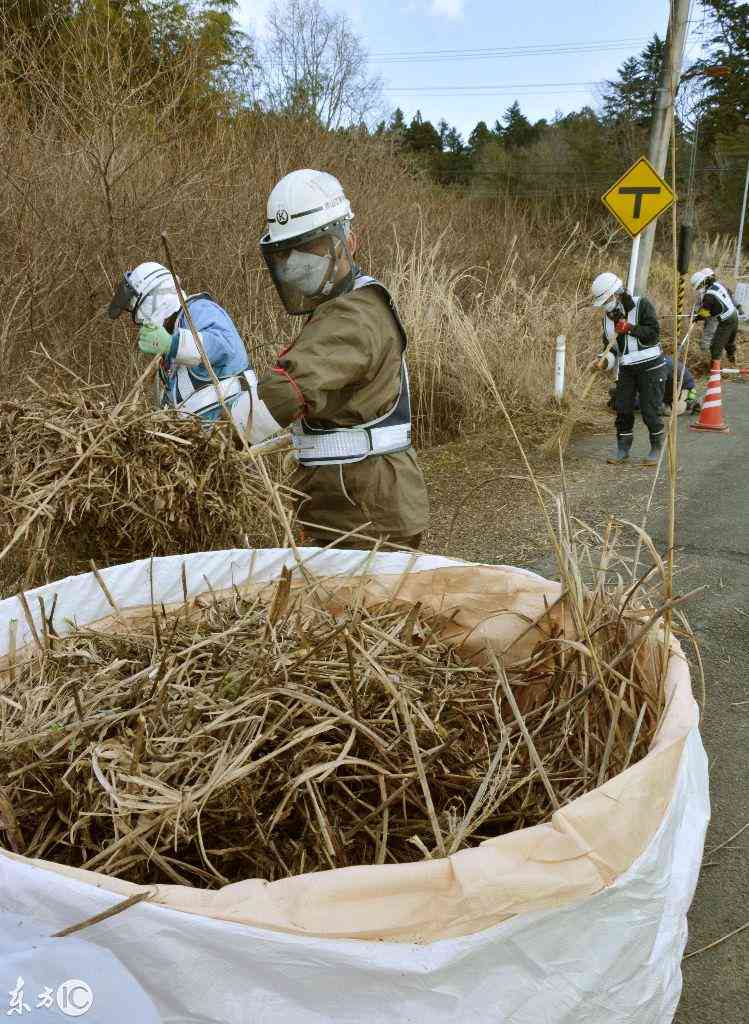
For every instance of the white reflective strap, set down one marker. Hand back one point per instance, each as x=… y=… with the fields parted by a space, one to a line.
x=331 y=445
x=642 y=356
x=711 y=405
x=608 y=330
x=208 y=397
x=391 y=439
x=724 y=296
x=187 y=350
x=348 y=444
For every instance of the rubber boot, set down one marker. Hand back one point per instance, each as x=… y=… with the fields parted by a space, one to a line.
x=623 y=444
x=656 y=444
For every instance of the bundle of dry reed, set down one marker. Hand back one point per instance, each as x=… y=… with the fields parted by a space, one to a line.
x=118 y=485
x=267 y=736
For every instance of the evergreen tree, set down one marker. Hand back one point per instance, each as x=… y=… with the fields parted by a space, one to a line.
x=397 y=123
x=421 y=136
x=630 y=99
x=443 y=128
x=517 y=131
x=479 y=137
x=454 y=141
x=724 y=107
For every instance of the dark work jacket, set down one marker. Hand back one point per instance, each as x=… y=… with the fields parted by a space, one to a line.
x=646 y=329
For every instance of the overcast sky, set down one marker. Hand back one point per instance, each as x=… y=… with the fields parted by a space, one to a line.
x=591 y=41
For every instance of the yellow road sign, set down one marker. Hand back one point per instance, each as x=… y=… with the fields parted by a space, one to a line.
x=638 y=197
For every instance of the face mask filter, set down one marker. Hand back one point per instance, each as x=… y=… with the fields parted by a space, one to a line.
x=305 y=271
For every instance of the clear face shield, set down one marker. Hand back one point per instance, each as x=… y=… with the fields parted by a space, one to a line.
x=124 y=298
x=310 y=269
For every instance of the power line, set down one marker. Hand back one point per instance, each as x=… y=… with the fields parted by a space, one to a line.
x=505 y=52
x=496 y=92
x=522 y=89
x=504 y=85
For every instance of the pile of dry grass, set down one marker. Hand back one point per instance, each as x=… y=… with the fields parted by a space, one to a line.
x=118 y=483
x=271 y=735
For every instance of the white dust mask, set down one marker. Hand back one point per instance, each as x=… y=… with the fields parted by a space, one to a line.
x=305 y=271
x=611 y=305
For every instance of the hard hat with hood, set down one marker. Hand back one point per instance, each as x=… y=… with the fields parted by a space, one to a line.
x=700 y=277
x=306 y=245
x=604 y=290
x=147 y=293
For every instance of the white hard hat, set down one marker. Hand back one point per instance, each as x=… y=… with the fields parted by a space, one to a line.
x=306 y=247
x=700 y=276
x=604 y=287
x=304 y=201
x=148 y=293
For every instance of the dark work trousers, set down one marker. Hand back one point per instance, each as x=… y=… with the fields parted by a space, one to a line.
x=648 y=381
x=725 y=338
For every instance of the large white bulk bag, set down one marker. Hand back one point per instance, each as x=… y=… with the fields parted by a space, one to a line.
x=578 y=921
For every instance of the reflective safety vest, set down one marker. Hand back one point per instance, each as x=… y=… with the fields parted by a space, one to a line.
x=724 y=296
x=391 y=432
x=628 y=350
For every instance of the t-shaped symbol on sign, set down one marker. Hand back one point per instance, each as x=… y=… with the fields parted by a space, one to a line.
x=638 y=191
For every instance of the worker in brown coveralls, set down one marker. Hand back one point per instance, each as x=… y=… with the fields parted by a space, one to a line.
x=342 y=385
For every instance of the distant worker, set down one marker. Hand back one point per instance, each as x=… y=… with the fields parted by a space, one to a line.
x=686 y=387
x=149 y=295
x=342 y=385
x=716 y=309
x=630 y=333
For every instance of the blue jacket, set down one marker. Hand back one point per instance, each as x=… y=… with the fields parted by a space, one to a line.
x=224 y=347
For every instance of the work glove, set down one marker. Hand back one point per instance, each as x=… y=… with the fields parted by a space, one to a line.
x=622 y=327
x=154 y=340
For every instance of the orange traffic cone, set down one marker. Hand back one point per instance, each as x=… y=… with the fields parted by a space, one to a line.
x=711 y=417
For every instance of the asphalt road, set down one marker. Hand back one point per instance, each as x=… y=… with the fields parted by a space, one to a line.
x=713 y=550
x=483 y=510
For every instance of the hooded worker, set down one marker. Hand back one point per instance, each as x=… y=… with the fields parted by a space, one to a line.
x=342 y=385
x=716 y=309
x=631 y=335
x=149 y=294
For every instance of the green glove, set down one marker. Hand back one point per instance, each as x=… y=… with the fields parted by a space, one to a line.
x=154 y=340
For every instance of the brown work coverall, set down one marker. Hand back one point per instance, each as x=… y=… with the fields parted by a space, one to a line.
x=344 y=370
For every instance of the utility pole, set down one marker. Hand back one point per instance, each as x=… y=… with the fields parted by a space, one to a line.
x=740 y=236
x=660 y=131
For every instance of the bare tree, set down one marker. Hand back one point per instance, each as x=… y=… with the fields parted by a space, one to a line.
x=314 y=65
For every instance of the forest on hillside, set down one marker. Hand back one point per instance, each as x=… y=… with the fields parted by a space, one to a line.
x=120 y=119
x=311 y=67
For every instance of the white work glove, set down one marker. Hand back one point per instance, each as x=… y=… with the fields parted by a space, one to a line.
x=262 y=424
x=605 y=361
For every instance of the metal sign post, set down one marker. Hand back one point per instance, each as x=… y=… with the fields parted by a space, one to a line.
x=633 y=264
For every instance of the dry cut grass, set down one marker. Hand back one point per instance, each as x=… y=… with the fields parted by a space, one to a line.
x=267 y=734
x=83 y=480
